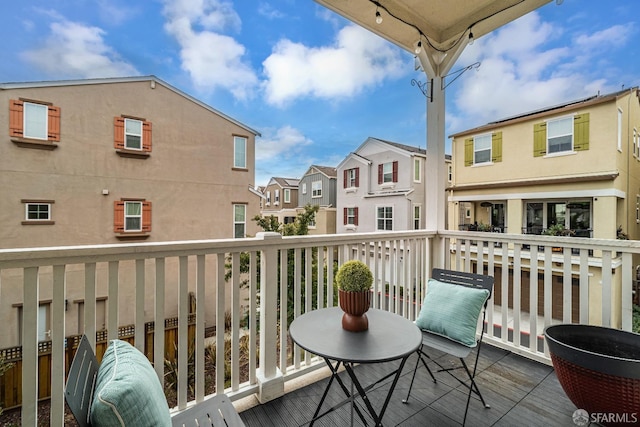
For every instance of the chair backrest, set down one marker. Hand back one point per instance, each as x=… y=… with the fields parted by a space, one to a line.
x=471 y=280
x=81 y=382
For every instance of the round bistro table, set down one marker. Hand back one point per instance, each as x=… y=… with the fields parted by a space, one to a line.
x=389 y=337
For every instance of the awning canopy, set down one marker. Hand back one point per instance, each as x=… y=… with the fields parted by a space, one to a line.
x=438 y=24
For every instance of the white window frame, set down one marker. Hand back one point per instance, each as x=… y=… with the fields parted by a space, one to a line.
x=132 y=216
x=287 y=195
x=637 y=208
x=242 y=221
x=417 y=208
x=128 y=133
x=387 y=172
x=481 y=145
x=37 y=206
x=635 y=142
x=450 y=173
x=550 y=124
x=316 y=189
x=276 y=197
x=417 y=169
x=386 y=218
x=304 y=188
x=268 y=198
x=35 y=129
x=351 y=216
x=351 y=178
x=240 y=152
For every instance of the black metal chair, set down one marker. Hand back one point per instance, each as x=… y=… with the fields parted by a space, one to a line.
x=451 y=347
x=215 y=411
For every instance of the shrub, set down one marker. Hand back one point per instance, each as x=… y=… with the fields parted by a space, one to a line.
x=354 y=276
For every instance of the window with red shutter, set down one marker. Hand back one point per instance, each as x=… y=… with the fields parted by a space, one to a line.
x=34 y=124
x=132 y=218
x=132 y=137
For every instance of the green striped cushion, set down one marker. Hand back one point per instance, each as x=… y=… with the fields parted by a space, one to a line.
x=128 y=392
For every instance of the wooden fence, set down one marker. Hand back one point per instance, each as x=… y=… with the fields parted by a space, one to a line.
x=11 y=381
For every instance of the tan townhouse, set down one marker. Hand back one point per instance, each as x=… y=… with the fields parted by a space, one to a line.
x=281 y=199
x=112 y=161
x=571 y=169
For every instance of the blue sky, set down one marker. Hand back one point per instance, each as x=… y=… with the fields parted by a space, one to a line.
x=313 y=84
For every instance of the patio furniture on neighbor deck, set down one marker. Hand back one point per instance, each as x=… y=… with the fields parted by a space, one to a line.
x=128 y=388
x=449 y=320
x=390 y=337
x=599 y=369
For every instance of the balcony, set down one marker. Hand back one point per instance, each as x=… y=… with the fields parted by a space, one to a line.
x=140 y=285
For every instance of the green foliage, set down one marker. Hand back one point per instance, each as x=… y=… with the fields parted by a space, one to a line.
x=354 y=276
x=635 y=327
x=484 y=227
x=558 y=230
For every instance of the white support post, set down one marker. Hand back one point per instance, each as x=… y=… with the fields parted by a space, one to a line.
x=270 y=378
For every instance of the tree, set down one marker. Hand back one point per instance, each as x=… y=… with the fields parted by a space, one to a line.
x=299 y=227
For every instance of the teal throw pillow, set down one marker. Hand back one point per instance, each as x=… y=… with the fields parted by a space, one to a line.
x=452 y=311
x=128 y=392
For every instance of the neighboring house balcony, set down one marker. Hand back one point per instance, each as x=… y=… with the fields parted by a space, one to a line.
x=269 y=364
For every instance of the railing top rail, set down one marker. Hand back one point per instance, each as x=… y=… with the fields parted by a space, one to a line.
x=41 y=256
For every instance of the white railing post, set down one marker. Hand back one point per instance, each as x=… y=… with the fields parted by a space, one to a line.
x=270 y=379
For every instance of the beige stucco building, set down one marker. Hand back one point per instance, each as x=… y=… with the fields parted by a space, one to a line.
x=575 y=165
x=122 y=160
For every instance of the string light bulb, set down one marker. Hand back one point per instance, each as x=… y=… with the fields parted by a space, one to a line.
x=471 y=39
x=378 y=17
x=418 y=47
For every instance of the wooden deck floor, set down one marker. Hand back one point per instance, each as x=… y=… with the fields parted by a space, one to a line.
x=519 y=391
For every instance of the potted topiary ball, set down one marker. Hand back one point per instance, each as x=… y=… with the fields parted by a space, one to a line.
x=354 y=280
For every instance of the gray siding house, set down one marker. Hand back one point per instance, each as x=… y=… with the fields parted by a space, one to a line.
x=318 y=187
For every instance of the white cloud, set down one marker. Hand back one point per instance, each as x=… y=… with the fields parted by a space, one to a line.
x=357 y=60
x=280 y=143
x=527 y=65
x=213 y=60
x=282 y=152
x=74 y=50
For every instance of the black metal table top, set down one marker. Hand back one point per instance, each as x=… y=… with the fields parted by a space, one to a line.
x=389 y=336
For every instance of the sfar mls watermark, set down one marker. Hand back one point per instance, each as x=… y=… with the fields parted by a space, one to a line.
x=583 y=418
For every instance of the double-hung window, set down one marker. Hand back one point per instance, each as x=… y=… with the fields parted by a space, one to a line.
x=133 y=216
x=482 y=149
x=351 y=216
x=132 y=134
x=276 y=197
x=132 y=137
x=384 y=218
x=416 y=217
x=239 y=221
x=239 y=152
x=387 y=172
x=351 y=178
x=560 y=135
x=287 y=195
x=316 y=189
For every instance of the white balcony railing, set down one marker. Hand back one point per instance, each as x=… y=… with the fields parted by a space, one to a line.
x=587 y=281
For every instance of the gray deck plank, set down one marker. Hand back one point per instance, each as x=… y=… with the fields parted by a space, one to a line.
x=520 y=392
